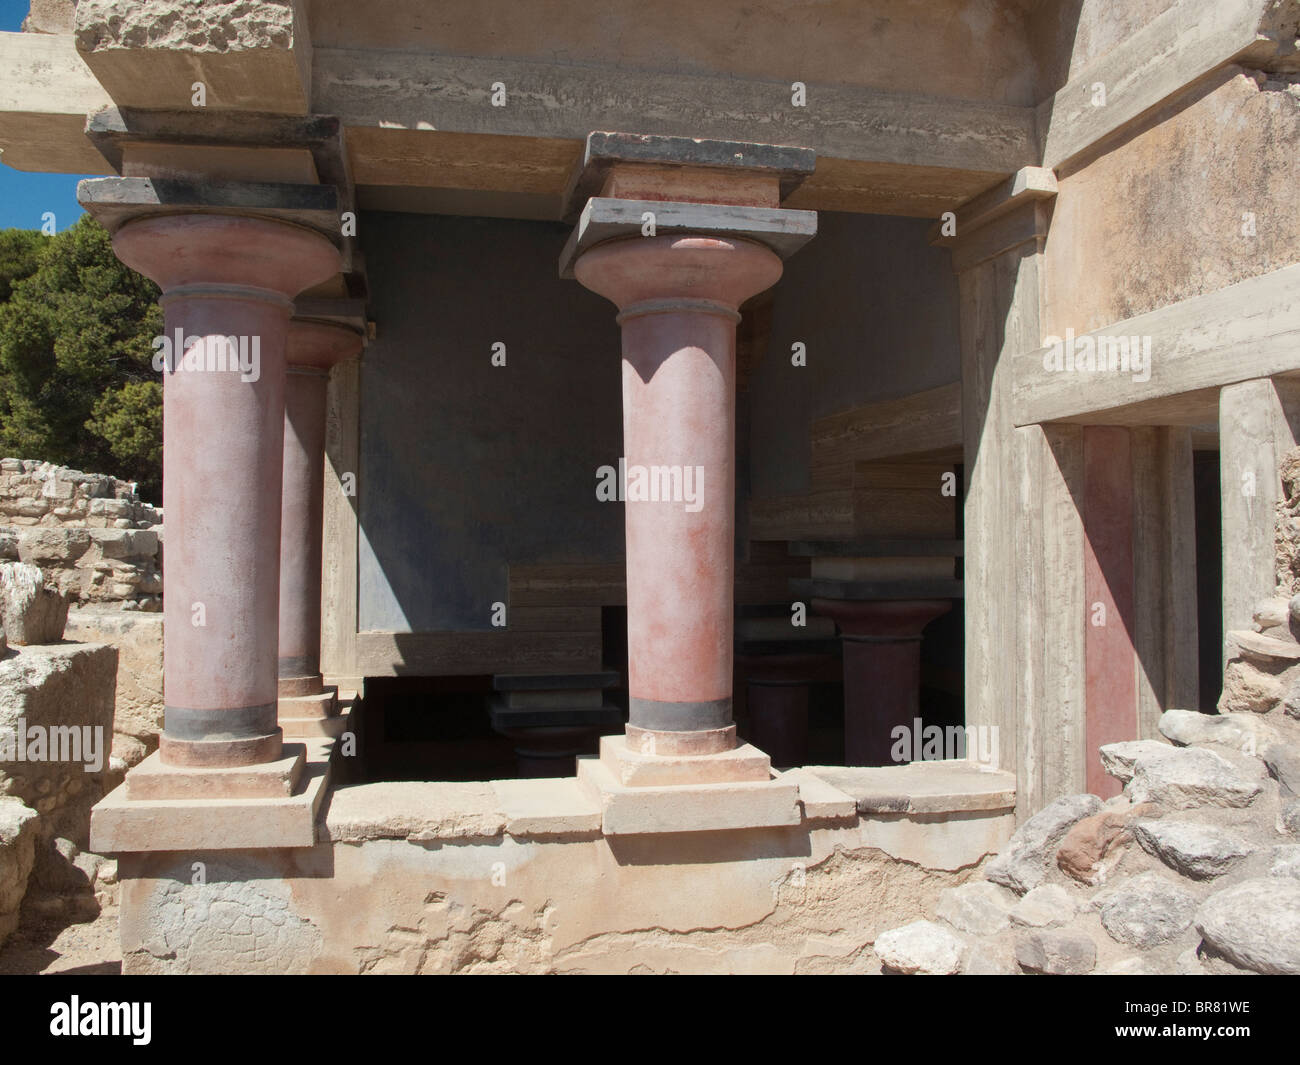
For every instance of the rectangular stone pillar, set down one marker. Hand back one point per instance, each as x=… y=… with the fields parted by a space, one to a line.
x=1051 y=614
x=1164 y=574
x=1258 y=423
x=997 y=255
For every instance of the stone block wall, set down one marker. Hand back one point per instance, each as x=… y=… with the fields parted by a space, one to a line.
x=92 y=535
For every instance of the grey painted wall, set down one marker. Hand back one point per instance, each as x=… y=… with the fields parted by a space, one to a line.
x=877 y=308
x=466 y=468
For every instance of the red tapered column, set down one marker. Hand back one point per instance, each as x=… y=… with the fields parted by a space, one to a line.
x=678 y=298
x=313 y=347
x=882 y=670
x=223 y=277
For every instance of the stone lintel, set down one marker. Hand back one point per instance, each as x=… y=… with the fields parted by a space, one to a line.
x=347 y=312
x=604 y=151
x=116 y=201
x=120 y=824
x=869 y=591
x=632 y=811
x=782 y=230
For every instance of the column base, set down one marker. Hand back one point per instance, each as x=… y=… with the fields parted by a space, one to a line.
x=665 y=742
x=633 y=769
x=155 y=779
x=221 y=754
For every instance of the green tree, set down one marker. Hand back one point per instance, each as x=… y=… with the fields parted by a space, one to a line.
x=77 y=385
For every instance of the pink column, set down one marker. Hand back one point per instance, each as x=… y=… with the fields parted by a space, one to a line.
x=882 y=670
x=678 y=298
x=223 y=276
x=1110 y=684
x=313 y=347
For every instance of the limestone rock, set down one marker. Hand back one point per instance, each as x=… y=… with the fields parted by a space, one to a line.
x=1194 y=849
x=1247 y=688
x=1118 y=759
x=1293 y=608
x=1056 y=953
x=922 y=947
x=1286 y=861
x=1288 y=817
x=1271 y=614
x=986 y=959
x=1291 y=701
x=30 y=612
x=18 y=831
x=1022 y=863
x=1243 y=732
x=1184 y=778
x=977 y=907
x=1045 y=906
x=1086 y=845
x=1146 y=910
x=1255 y=925
x=1283 y=762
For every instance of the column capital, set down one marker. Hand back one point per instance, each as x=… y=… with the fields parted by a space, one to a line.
x=320 y=345
x=1012 y=213
x=226 y=250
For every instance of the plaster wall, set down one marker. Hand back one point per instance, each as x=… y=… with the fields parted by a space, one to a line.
x=1158 y=218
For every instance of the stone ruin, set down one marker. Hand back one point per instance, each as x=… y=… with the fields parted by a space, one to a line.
x=1193 y=869
x=56 y=726
x=93 y=536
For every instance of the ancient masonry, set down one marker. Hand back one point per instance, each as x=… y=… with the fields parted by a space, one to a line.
x=692 y=398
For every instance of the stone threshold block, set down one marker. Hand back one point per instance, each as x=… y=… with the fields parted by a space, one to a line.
x=121 y=823
x=934 y=787
x=649 y=810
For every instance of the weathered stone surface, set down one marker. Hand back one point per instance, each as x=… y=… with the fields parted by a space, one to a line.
x=977 y=907
x=1194 y=849
x=1184 y=778
x=1286 y=861
x=1283 y=762
x=1146 y=910
x=18 y=823
x=1118 y=758
x=1022 y=863
x=1288 y=817
x=138 y=709
x=1291 y=701
x=1248 y=689
x=1094 y=843
x=988 y=959
x=1271 y=613
x=1255 y=925
x=1046 y=906
x=1243 y=732
x=1056 y=953
x=190 y=27
x=920 y=948
x=30 y=612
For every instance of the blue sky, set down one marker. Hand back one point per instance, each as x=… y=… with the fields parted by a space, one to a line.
x=25 y=197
